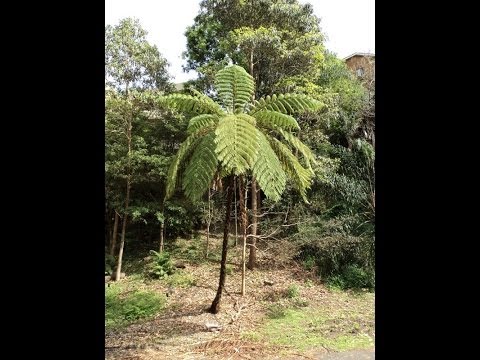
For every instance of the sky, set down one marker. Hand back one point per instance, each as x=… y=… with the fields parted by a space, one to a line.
x=349 y=25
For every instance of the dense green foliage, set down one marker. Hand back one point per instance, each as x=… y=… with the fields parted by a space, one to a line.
x=130 y=61
x=122 y=308
x=161 y=265
x=352 y=277
x=274 y=40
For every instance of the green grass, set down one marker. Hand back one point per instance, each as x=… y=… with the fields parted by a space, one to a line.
x=306 y=329
x=293 y=291
x=123 y=306
x=180 y=279
x=344 y=324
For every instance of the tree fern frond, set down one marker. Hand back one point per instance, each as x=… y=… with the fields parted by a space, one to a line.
x=287 y=104
x=201 y=121
x=271 y=119
x=201 y=168
x=247 y=118
x=300 y=146
x=268 y=170
x=237 y=143
x=302 y=178
x=183 y=151
x=187 y=103
x=235 y=88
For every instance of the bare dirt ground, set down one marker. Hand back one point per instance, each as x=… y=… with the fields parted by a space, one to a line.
x=180 y=331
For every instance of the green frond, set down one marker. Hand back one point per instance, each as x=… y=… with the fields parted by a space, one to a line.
x=237 y=143
x=186 y=103
x=201 y=168
x=183 y=152
x=247 y=118
x=301 y=177
x=268 y=170
x=201 y=121
x=286 y=104
x=235 y=88
x=271 y=119
x=300 y=146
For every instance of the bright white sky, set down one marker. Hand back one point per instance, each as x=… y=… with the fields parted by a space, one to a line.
x=349 y=25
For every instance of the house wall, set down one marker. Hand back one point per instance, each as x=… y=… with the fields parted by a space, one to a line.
x=367 y=63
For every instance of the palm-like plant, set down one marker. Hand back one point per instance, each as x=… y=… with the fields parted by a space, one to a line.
x=238 y=137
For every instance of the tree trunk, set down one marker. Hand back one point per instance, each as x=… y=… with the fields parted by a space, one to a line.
x=243 y=217
x=252 y=258
x=161 y=235
x=251 y=62
x=236 y=222
x=124 y=228
x=127 y=198
x=108 y=225
x=209 y=220
x=113 y=243
x=216 y=302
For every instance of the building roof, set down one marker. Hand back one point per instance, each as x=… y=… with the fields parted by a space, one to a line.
x=359 y=54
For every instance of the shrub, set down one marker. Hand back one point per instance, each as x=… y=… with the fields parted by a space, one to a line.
x=110 y=263
x=331 y=247
x=161 y=265
x=353 y=277
x=292 y=291
x=309 y=262
x=276 y=311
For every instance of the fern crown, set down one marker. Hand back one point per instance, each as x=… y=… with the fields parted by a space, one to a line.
x=239 y=135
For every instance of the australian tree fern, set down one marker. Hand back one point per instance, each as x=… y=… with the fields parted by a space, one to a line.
x=237 y=137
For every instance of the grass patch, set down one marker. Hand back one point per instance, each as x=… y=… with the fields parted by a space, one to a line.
x=181 y=279
x=345 y=323
x=293 y=291
x=124 y=307
x=277 y=311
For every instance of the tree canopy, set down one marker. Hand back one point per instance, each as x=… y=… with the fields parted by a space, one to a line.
x=130 y=61
x=274 y=40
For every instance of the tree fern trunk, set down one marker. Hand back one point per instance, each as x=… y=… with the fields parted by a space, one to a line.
x=209 y=219
x=252 y=258
x=243 y=217
x=216 y=302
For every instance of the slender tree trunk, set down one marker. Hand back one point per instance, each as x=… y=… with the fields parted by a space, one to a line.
x=127 y=198
x=108 y=226
x=209 y=220
x=161 y=236
x=236 y=222
x=124 y=228
x=113 y=243
x=253 y=240
x=216 y=302
x=252 y=257
x=251 y=62
x=243 y=217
